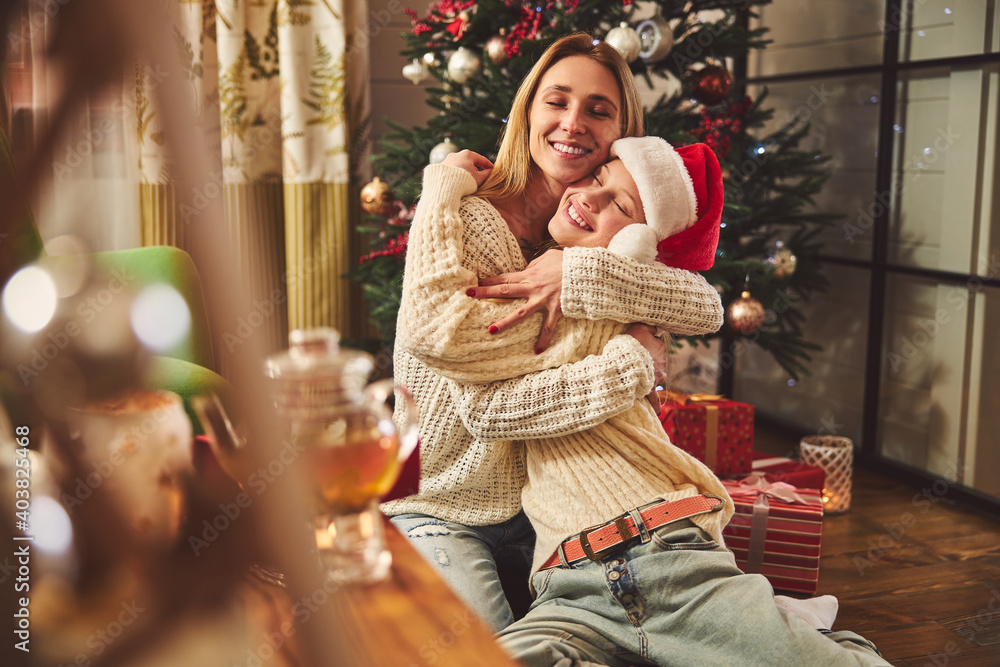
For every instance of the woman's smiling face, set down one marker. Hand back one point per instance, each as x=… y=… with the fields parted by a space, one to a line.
x=596 y=208
x=574 y=118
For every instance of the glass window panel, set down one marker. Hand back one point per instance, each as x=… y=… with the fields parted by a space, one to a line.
x=818 y=35
x=982 y=456
x=830 y=399
x=843 y=117
x=945 y=28
x=931 y=330
x=943 y=197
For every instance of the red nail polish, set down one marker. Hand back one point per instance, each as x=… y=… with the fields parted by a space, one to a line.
x=470 y=292
x=538 y=350
x=494 y=328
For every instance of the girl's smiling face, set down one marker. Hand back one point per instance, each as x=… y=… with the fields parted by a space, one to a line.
x=574 y=118
x=595 y=208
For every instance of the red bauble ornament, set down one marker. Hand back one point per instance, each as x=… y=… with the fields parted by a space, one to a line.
x=711 y=84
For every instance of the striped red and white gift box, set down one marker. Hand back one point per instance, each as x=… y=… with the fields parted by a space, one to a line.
x=777 y=536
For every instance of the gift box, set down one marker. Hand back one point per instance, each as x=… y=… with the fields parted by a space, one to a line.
x=776 y=532
x=408 y=482
x=717 y=432
x=782 y=469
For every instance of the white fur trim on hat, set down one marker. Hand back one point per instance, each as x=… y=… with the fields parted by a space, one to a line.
x=665 y=187
x=637 y=241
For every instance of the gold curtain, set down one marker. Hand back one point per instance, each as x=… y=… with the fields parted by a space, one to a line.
x=268 y=78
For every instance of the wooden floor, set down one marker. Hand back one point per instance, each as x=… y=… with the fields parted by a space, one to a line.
x=916 y=574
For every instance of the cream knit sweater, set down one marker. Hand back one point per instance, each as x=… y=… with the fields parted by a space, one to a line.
x=476 y=477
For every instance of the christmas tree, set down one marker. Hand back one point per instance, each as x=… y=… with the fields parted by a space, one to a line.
x=480 y=51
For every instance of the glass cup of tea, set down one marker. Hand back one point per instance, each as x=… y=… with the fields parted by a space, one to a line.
x=352 y=451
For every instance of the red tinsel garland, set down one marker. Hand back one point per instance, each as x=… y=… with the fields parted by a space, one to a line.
x=716 y=131
x=437 y=13
x=393 y=247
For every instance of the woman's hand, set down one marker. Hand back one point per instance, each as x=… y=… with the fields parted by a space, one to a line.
x=540 y=283
x=657 y=349
x=474 y=163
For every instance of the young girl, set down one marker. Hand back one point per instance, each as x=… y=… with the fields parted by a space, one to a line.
x=629 y=565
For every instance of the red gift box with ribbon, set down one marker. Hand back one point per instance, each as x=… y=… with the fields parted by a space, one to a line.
x=716 y=431
x=776 y=532
x=782 y=469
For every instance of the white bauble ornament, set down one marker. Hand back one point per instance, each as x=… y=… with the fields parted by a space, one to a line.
x=442 y=150
x=463 y=65
x=656 y=38
x=415 y=71
x=625 y=40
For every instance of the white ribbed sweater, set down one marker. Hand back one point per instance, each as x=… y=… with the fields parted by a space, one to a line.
x=469 y=473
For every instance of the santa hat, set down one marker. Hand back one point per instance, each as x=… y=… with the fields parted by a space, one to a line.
x=681 y=192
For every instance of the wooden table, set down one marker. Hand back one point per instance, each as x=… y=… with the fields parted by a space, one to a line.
x=413 y=619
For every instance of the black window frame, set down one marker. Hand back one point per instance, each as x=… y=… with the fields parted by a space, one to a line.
x=879 y=267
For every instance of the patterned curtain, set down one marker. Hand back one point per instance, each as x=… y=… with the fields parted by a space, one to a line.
x=268 y=77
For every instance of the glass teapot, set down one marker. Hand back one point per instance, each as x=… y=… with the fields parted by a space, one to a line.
x=349 y=446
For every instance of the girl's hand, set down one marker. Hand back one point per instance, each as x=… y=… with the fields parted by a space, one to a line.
x=540 y=283
x=474 y=163
x=657 y=349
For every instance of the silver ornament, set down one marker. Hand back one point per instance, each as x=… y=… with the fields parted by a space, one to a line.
x=656 y=38
x=463 y=65
x=625 y=40
x=442 y=150
x=415 y=71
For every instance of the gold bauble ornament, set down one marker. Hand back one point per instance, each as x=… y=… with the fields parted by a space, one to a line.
x=745 y=314
x=496 y=50
x=656 y=39
x=376 y=197
x=782 y=260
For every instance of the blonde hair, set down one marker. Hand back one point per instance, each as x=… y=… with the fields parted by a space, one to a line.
x=513 y=167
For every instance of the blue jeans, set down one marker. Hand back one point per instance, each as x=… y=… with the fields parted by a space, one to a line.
x=468 y=558
x=678 y=599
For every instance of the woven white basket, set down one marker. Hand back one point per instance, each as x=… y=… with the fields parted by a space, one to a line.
x=835 y=455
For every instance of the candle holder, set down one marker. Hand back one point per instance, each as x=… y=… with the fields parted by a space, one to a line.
x=835 y=455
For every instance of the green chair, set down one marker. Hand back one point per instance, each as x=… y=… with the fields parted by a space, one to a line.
x=187 y=368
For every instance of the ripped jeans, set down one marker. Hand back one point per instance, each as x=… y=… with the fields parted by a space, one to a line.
x=676 y=600
x=468 y=558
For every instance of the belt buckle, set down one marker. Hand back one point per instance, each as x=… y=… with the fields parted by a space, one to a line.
x=588 y=551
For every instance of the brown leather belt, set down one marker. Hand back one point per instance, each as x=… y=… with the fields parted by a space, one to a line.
x=593 y=541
